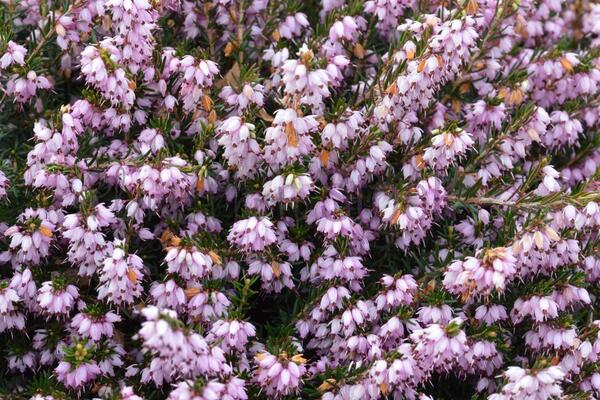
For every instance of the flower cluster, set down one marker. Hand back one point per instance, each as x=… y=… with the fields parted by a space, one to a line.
x=334 y=199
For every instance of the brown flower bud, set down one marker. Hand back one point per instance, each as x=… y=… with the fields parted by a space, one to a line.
x=359 y=51
x=566 y=64
x=229 y=49
x=472 y=7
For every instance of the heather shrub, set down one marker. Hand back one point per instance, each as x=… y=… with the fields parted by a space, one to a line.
x=336 y=199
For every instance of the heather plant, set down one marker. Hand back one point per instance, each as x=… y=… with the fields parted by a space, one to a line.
x=334 y=199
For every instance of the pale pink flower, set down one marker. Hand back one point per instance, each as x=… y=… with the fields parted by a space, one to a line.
x=76 y=376
x=14 y=53
x=252 y=234
x=121 y=276
x=279 y=376
x=57 y=297
x=95 y=326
